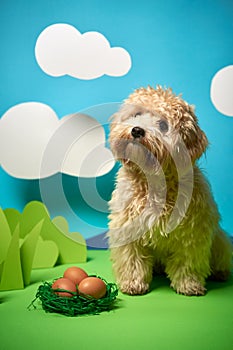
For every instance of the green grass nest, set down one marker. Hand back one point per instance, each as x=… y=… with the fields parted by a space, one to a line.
x=76 y=305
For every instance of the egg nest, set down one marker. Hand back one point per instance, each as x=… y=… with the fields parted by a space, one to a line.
x=77 y=304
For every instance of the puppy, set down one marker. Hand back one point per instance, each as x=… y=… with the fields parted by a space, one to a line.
x=163 y=217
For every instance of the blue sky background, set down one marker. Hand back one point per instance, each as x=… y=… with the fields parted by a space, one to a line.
x=179 y=44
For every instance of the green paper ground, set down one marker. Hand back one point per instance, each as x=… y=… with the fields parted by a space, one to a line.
x=160 y=320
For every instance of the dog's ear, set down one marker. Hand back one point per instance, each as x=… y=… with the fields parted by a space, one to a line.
x=192 y=135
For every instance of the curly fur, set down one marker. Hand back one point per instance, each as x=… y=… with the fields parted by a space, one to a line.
x=163 y=215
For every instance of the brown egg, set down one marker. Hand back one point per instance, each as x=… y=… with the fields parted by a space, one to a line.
x=75 y=274
x=92 y=286
x=64 y=283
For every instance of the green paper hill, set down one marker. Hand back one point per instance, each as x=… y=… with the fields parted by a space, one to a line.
x=32 y=240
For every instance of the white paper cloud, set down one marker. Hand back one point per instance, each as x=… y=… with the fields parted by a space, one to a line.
x=221 y=91
x=34 y=143
x=62 y=50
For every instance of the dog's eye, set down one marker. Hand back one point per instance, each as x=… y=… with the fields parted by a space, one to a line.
x=137 y=114
x=163 y=125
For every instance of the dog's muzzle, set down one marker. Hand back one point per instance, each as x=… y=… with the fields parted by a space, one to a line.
x=137 y=132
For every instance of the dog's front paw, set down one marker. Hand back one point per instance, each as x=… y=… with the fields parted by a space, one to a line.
x=189 y=286
x=134 y=287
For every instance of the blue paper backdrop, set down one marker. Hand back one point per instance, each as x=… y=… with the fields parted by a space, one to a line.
x=181 y=44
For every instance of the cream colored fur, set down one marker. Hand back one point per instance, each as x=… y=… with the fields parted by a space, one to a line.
x=163 y=216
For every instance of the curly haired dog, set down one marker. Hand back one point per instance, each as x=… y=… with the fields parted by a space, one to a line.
x=163 y=217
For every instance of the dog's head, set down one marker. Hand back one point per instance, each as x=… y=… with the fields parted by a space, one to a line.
x=154 y=126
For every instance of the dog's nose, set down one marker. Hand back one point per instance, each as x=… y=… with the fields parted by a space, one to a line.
x=137 y=132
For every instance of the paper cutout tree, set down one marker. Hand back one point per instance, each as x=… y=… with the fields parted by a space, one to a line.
x=32 y=240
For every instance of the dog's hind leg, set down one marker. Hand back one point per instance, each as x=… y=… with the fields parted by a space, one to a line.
x=221 y=256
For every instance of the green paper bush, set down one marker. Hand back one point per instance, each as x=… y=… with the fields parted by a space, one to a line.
x=27 y=237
